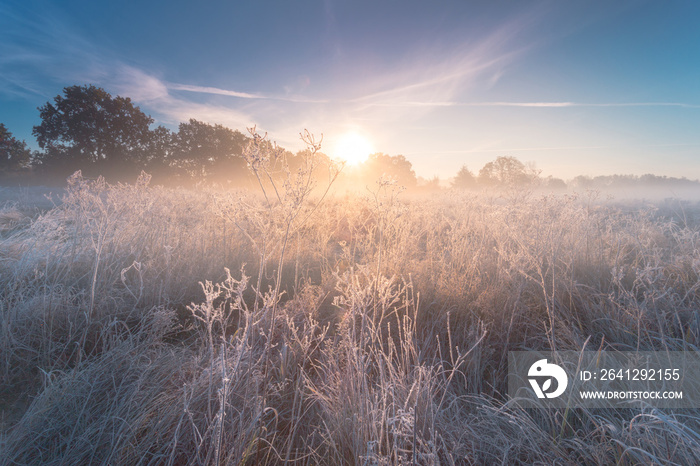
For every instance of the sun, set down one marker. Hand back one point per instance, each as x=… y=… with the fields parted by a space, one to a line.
x=353 y=148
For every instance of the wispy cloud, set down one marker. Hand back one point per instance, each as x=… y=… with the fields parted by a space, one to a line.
x=57 y=55
x=137 y=84
x=424 y=79
x=572 y=104
x=40 y=46
x=641 y=104
x=214 y=90
x=476 y=104
x=533 y=104
x=154 y=93
x=242 y=95
x=436 y=78
x=362 y=93
x=516 y=104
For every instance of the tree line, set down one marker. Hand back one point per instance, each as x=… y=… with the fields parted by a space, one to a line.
x=88 y=129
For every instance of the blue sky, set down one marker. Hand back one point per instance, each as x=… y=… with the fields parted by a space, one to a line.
x=576 y=87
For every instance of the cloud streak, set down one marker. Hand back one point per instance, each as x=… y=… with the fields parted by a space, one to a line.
x=425 y=80
x=534 y=104
x=43 y=46
x=355 y=92
x=438 y=76
x=572 y=104
x=241 y=95
x=147 y=89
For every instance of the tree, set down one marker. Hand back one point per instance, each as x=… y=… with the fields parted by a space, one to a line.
x=582 y=182
x=160 y=153
x=464 y=179
x=209 y=151
x=14 y=154
x=395 y=166
x=506 y=171
x=299 y=161
x=87 y=127
x=161 y=147
x=555 y=184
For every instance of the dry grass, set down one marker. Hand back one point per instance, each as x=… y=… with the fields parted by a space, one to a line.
x=361 y=330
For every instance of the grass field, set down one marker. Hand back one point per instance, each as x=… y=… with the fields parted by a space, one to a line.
x=144 y=325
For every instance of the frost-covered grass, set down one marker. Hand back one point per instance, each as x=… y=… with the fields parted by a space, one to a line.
x=144 y=325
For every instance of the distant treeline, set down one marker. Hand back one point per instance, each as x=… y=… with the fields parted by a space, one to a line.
x=87 y=129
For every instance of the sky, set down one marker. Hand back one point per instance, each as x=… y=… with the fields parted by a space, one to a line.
x=574 y=87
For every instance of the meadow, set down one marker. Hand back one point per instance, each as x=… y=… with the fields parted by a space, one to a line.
x=149 y=325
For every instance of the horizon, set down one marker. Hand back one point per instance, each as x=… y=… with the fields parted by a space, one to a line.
x=592 y=90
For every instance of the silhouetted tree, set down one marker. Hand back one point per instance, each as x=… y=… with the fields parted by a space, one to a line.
x=14 y=154
x=506 y=171
x=161 y=146
x=464 y=179
x=160 y=155
x=209 y=151
x=87 y=127
x=582 y=182
x=554 y=184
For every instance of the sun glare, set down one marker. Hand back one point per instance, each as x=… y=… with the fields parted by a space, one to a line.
x=353 y=148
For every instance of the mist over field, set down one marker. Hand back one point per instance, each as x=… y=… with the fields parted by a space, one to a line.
x=293 y=323
x=237 y=303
